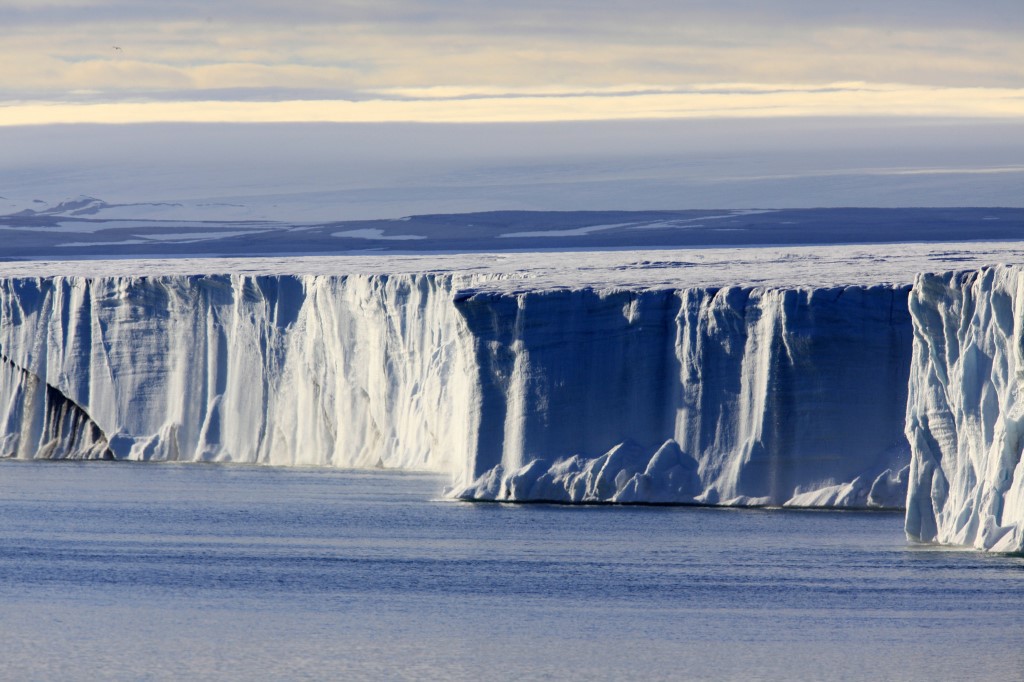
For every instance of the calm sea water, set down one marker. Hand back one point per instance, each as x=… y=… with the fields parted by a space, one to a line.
x=130 y=571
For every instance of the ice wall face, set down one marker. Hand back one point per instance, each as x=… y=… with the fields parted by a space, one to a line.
x=721 y=396
x=738 y=395
x=355 y=371
x=40 y=422
x=965 y=414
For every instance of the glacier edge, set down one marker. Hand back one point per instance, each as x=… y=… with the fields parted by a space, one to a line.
x=271 y=370
x=965 y=413
x=734 y=395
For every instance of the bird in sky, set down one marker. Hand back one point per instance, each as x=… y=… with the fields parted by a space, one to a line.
x=117 y=48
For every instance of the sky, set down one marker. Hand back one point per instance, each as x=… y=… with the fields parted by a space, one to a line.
x=520 y=60
x=380 y=108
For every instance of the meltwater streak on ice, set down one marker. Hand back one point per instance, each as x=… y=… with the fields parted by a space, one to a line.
x=965 y=414
x=352 y=371
x=742 y=395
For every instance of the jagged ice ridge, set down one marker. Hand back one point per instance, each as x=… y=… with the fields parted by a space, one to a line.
x=965 y=414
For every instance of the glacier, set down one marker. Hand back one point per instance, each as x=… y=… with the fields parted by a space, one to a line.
x=738 y=396
x=732 y=396
x=331 y=371
x=770 y=376
x=965 y=413
x=40 y=422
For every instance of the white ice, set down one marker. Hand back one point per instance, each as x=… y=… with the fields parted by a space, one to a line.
x=736 y=396
x=375 y=233
x=717 y=376
x=965 y=414
x=759 y=376
x=573 y=232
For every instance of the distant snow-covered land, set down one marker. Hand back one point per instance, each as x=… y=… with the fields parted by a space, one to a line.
x=90 y=227
x=323 y=173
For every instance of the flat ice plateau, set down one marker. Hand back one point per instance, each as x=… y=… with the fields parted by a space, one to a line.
x=740 y=376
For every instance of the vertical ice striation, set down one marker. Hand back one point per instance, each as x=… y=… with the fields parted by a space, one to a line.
x=355 y=371
x=737 y=395
x=722 y=396
x=40 y=422
x=965 y=414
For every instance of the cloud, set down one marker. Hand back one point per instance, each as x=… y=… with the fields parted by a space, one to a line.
x=124 y=74
x=187 y=50
x=535 y=15
x=724 y=101
x=349 y=59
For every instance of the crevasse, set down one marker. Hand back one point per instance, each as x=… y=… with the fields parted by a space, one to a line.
x=740 y=395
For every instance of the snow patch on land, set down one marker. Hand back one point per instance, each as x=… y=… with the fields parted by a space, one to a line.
x=102 y=243
x=198 y=236
x=574 y=232
x=375 y=233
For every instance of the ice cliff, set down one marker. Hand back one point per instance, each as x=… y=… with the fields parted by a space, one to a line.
x=732 y=395
x=744 y=396
x=357 y=371
x=965 y=414
x=40 y=422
